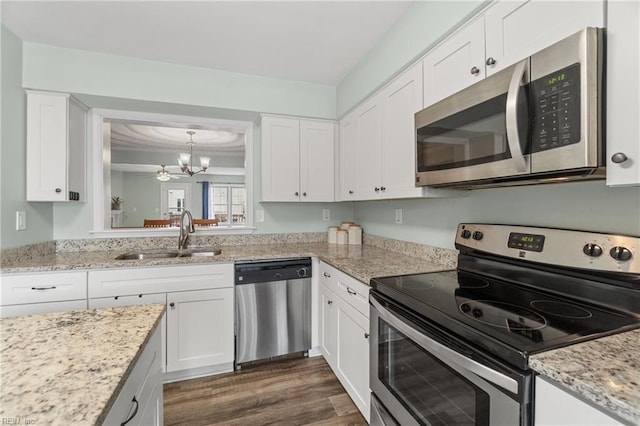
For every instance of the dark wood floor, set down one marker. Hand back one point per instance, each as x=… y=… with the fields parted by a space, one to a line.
x=300 y=391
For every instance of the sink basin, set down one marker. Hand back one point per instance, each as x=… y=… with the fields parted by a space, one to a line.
x=205 y=251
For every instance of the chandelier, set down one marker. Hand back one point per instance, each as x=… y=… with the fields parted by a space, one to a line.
x=185 y=161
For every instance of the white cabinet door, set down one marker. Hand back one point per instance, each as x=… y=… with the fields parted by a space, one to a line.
x=352 y=354
x=56 y=141
x=400 y=101
x=555 y=407
x=623 y=89
x=368 y=147
x=317 y=139
x=280 y=159
x=347 y=169
x=456 y=63
x=199 y=328
x=327 y=323
x=517 y=29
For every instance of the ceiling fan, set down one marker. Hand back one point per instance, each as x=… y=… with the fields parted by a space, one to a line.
x=164 y=175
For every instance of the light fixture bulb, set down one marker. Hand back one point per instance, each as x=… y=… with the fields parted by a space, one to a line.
x=184 y=159
x=204 y=162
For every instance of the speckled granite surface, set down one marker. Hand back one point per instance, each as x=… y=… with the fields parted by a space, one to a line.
x=68 y=368
x=361 y=262
x=604 y=371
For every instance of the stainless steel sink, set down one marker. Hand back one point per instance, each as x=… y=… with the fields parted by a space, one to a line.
x=203 y=251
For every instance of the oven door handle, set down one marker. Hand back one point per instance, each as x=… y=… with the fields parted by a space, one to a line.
x=513 y=138
x=446 y=354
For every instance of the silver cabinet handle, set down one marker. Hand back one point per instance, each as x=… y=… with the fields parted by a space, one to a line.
x=475 y=71
x=490 y=61
x=513 y=139
x=326 y=275
x=53 y=287
x=619 y=157
x=351 y=292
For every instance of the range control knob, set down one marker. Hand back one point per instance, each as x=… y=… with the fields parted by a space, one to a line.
x=465 y=234
x=592 y=250
x=476 y=312
x=477 y=235
x=620 y=253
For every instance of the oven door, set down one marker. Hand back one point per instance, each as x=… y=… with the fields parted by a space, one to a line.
x=421 y=377
x=478 y=133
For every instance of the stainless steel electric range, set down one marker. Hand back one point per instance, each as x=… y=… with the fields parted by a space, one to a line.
x=452 y=347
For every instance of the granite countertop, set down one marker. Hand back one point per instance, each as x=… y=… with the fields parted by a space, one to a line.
x=605 y=372
x=68 y=367
x=360 y=261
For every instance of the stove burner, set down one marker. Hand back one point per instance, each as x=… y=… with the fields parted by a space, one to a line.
x=472 y=283
x=561 y=309
x=503 y=315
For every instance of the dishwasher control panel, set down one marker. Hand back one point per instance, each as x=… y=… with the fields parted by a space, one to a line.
x=261 y=271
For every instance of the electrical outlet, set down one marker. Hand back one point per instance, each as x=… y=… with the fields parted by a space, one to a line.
x=21 y=220
x=326 y=214
x=399 y=216
x=259 y=215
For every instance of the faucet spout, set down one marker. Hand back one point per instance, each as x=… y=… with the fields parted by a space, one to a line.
x=183 y=239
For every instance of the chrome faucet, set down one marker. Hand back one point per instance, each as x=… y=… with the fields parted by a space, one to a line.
x=183 y=239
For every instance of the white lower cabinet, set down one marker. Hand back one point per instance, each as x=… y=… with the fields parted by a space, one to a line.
x=199 y=328
x=197 y=331
x=344 y=332
x=555 y=407
x=39 y=293
x=140 y=401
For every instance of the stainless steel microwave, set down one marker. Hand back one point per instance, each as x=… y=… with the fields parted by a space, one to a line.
x=537 y=121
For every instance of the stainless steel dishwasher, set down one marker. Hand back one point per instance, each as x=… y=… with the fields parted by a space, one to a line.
x=273 y=308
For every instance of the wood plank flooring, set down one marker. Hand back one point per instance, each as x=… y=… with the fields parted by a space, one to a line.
x=300 y=391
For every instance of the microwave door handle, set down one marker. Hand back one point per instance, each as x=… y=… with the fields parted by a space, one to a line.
x=444 y=353
x=513 y=139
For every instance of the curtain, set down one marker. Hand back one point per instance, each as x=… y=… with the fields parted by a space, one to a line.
x=205 y=200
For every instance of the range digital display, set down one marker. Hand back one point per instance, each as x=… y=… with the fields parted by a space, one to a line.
x=530 y=242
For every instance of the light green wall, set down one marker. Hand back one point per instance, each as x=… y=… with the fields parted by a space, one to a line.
x=13 y=155
x=76 y=71
x=420 y=27
x=580 y=205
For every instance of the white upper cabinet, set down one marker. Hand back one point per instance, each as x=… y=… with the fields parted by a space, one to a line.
x=368 y=149
x=377 y=143
x=456 y=63
x=517 y=29
x=623 y=102
x=297 y=159
x=400 y=101
x=347 y=161
x=508 y=31
x=56 y=147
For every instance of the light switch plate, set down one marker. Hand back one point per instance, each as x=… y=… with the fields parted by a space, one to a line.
x=21 y=220
x=326 y=214
x=399 y=216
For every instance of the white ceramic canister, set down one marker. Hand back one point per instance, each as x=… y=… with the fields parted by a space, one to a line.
x=355 y=235
x=332 y=235
x=346 y=225
x=343 y=236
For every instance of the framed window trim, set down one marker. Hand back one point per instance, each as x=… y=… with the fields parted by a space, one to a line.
x=99 y=150
x=228 y=204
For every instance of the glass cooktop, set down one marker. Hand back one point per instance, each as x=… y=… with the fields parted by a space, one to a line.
x=509 y=320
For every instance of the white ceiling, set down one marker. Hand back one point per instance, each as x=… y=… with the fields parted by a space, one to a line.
x=313 y=41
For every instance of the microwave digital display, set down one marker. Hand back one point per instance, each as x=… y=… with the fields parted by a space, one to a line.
x=555 y=102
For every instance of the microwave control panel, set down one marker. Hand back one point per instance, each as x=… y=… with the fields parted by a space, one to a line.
x=555 y=107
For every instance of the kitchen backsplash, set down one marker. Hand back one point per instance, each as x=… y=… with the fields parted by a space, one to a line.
x=439 y=255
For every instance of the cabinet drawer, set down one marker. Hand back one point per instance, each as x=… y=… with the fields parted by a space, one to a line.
x=46 y=287
x=162 y=279
x=352 y=291
x=136 y=391
x=116 y=301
